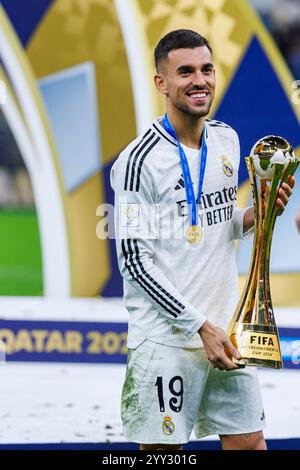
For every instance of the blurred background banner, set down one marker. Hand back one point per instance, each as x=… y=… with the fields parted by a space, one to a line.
x=78 y=76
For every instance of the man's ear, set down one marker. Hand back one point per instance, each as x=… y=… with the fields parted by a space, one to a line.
x=160 y=83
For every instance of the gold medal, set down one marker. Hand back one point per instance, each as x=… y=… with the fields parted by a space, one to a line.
x=194 y=234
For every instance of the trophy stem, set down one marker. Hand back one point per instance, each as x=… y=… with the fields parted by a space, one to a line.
x=272 y=214
x=249 y=283
x=261 y=304
x=266 y=269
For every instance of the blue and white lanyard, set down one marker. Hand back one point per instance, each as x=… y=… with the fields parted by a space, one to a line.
x=190 y=194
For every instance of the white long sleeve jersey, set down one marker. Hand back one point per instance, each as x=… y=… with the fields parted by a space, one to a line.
x=170 y=286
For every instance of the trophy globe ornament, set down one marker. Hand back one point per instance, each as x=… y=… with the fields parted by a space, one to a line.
x=253 y=329
x=267 y=152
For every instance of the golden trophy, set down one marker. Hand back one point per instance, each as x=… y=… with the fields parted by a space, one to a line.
x=253 y=329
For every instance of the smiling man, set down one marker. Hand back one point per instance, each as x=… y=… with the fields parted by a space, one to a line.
x=176 y=222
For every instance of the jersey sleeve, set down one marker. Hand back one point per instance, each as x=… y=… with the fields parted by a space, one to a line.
x=136 y=235
x=238 y=213
x=238 y=219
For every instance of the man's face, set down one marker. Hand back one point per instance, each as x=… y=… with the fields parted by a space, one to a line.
x=188 y=80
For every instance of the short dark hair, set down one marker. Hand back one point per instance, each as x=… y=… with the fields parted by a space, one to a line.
x=178 y=39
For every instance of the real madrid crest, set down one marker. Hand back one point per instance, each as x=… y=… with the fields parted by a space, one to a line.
x=227 y=166
x=168 y=427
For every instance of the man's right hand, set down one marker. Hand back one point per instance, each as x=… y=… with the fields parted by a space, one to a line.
x=215 y=341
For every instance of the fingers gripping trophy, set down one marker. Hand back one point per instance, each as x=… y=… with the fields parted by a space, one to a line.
x=253 y=329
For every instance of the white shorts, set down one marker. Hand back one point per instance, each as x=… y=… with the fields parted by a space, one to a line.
x=169 y=391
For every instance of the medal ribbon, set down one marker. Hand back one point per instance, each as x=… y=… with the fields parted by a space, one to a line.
x=189 y=190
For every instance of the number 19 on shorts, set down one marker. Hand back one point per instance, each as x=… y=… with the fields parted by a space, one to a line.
x=173 y=388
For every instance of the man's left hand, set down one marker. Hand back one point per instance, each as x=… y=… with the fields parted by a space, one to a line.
x=284 y=192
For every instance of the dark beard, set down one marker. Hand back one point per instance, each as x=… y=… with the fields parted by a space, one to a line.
x=191 y=112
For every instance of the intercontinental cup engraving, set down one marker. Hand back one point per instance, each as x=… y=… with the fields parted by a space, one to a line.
x=253 y=329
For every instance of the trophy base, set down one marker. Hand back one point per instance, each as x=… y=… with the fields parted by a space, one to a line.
x=257 y=344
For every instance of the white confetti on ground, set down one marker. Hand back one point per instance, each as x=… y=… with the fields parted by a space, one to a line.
x=72 y=403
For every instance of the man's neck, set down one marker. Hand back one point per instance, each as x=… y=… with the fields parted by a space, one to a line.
x=187 y=127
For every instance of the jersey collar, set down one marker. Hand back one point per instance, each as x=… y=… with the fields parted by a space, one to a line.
x=161 y=132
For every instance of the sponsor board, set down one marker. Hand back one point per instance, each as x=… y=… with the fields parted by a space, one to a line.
x=64 y=341
x=93 y=342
